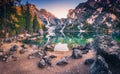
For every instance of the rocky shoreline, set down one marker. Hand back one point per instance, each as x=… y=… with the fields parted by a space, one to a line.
x=105 y=58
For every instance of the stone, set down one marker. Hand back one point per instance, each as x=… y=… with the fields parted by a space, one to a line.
x=99 y=66
x=76 y=54
x=8 y=58
x=38 y=54
x=24 y=46
x=43 y=53
x=42 y=63
x=47 y=60
x=34 y=55
x=53 y=56
x=14 y=48
x=2 y=51
x=31 y=56
x=8 y=40
x=34 y=47
x=49 y=48
x=61 y=47
x=62 y=62
x=85 y=51
x=14 y=57
x=82 y=47
x=22 y=51
x=89 y=61
x=88 y=46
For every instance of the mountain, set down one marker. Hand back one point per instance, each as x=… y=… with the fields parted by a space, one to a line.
x=48 y=18
x=103 y=15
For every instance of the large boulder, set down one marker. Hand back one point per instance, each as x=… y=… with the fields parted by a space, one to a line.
x=61 y=47
x=108 y=49
x=76 y=54
x=99 y=67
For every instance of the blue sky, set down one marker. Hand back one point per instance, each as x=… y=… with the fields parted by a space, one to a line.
x=58 y=7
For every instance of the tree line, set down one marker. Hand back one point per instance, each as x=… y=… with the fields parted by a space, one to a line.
x=13 y=22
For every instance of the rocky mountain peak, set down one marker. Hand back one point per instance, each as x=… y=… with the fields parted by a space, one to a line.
x=96 y=12
x=47 y=17
x=44 y=12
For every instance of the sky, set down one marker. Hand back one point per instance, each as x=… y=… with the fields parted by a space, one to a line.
x=57 y=7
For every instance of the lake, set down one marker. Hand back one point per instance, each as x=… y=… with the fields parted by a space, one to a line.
x=69 y=38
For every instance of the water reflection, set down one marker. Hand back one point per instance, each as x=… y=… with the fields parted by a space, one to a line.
x=70 y=38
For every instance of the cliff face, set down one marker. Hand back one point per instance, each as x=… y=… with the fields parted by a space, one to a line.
x=48 y=18
x=103 y=14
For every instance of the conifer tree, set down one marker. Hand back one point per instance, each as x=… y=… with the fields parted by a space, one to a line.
x=35 y=24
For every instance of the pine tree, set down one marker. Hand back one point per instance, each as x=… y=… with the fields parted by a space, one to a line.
x=35 y=24
x=28 y=18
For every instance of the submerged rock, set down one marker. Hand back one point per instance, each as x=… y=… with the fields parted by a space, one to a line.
x=76 y=54
x=61 y=47
x=99 y=67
